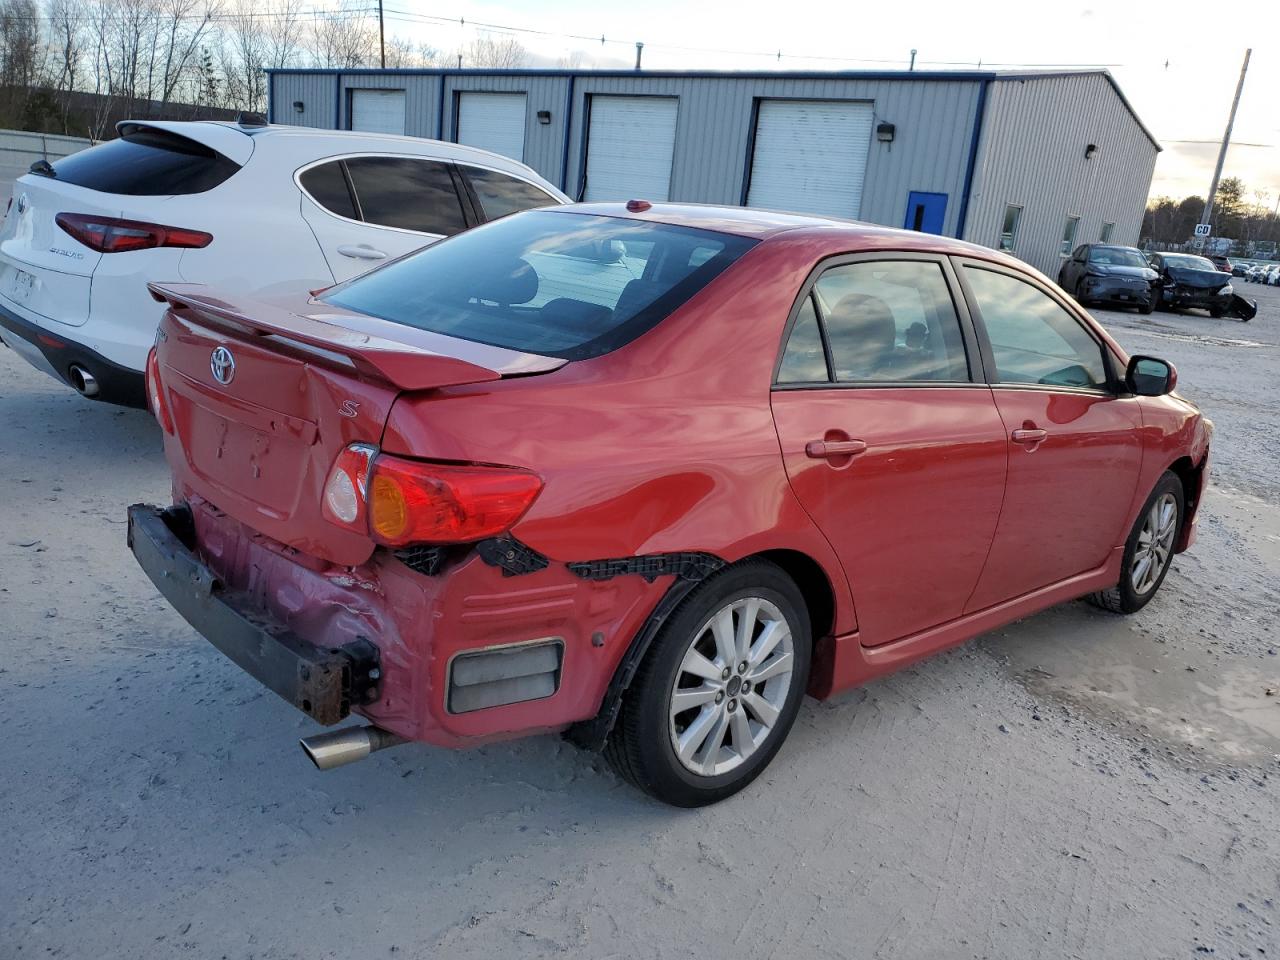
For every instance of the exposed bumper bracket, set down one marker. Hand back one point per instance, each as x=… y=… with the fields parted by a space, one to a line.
x=321 y=682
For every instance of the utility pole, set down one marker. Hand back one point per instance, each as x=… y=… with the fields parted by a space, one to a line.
x=639 y=51
x=1226 y=140
x=382 y=37
x=913 y=61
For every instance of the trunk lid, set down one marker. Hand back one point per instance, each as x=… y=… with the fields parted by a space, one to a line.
x=42 y=267
x=264 y=395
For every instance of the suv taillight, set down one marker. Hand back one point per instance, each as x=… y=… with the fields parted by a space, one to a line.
x=155 y=393
x=398 y=502
x=114 y=235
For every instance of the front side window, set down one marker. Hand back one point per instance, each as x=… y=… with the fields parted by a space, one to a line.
x=1009 y=232
x=887 y=321
x=407 y=193
x=1033 y=339
x=557 y=284
x=500 y=194
x=1105 y=235
x=1069 y=235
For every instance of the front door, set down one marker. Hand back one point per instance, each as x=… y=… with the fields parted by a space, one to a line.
x=892 y=444
x=1075 y=447
x=925 y=212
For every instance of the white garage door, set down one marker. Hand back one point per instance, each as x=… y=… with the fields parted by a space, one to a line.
x=492 y=121
x=629 y=147
x=377 y=111
x=810 y=156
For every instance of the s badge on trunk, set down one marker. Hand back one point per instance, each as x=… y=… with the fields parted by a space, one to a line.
x=222 y=365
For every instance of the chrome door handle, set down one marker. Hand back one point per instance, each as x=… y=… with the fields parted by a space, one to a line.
x=822 y=449
x=361 y=251
x=1027 y=435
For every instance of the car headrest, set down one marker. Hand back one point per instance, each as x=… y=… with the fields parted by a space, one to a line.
x=862 y=334
x=512 y=282
x=636 y=295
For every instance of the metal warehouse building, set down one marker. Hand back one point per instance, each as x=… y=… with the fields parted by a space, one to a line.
x=1035 y=163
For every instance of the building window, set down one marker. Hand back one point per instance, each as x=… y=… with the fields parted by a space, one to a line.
x=1105 y=235
x=1069 y=236
x=1009 y=233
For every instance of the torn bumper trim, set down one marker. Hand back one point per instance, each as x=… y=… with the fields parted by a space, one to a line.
x=321 y=682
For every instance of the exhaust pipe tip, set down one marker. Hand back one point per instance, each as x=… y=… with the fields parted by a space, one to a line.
x=330 y=750
x=84 y=381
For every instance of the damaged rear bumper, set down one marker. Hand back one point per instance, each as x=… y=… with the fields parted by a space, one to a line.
x=322 y=682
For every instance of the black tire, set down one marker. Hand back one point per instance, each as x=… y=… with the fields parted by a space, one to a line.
x=1079 y=297
x=1123 y=597
x=1147 y=308
x=640 y=747
x=1217 y=313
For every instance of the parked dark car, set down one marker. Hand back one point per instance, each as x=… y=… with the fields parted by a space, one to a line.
x=1101 y=272
x=1190 y=281
x=1219 y=261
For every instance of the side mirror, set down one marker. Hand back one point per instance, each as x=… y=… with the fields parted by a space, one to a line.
x=1150 y=376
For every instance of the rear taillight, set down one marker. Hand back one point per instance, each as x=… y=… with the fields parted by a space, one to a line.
x=113 y=235
x=399 y=502
x=155 y=393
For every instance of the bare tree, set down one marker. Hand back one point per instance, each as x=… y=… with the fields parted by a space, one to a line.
x=344 y=38
x=256 y=36
x=496 y=51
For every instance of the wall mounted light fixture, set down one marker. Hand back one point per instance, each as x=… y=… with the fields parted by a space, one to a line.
x=885 y=132
x=1090 y=150
x=298 y=106
x=544 y=116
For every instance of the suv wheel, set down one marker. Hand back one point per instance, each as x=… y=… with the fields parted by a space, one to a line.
x=718 y=691
x=1149 y=550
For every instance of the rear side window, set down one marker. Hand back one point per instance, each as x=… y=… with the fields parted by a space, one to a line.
x=145 y=162
x=561 y=285
x=500 y=194
x=804 y=360
x=407 y=193
x=327 y=185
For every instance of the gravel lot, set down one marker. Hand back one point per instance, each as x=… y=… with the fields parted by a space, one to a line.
x=1077 y=785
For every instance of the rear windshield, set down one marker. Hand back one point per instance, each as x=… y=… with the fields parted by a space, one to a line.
x=145 y=162
x=1117 y=257
x=1188 y=262
x=560 y=285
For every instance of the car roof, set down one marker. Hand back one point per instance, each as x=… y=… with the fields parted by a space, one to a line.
x=841 y=235
x=300 y=145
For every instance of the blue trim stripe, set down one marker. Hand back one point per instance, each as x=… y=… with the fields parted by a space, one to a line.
x=978 y=119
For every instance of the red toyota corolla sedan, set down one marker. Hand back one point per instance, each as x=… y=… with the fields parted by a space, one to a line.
x=646 y=475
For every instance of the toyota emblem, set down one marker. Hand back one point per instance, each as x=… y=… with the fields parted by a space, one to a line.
x=223 y=365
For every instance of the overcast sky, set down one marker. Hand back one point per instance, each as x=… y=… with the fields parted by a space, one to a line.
x=1177 y=61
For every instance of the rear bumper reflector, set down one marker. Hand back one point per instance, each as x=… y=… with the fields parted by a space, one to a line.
x=512 y=673
x=321 y=682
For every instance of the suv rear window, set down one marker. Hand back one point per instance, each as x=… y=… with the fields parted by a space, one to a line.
x=145 y=162
x=560 y=285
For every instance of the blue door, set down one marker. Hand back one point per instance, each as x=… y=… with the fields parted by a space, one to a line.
x=925 y=211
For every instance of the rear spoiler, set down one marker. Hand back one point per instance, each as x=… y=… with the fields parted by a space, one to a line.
x=401 y=365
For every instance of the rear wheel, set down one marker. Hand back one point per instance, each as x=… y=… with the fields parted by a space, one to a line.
x=718 y=691
x=1149 y=550
x=1147 y=307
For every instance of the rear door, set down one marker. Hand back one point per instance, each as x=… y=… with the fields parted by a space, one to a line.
x=1075 y=445
x=890 y=439
x=367 y=209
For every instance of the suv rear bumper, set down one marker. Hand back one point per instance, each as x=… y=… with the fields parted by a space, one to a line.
x=116 y=384
x=322 y=682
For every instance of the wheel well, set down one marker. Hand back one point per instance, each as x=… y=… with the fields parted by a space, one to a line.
x=813 y=584
x=1192 y=476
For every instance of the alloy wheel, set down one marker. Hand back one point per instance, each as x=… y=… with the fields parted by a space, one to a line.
x=1155 y=544
x=731 y=686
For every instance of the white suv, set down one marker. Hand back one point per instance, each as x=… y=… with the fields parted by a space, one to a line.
x=244 y=207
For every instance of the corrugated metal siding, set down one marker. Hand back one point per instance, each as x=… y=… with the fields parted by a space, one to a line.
x=933 y=121
x=543 y=143
x=1032 y=154
x=314 y=90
